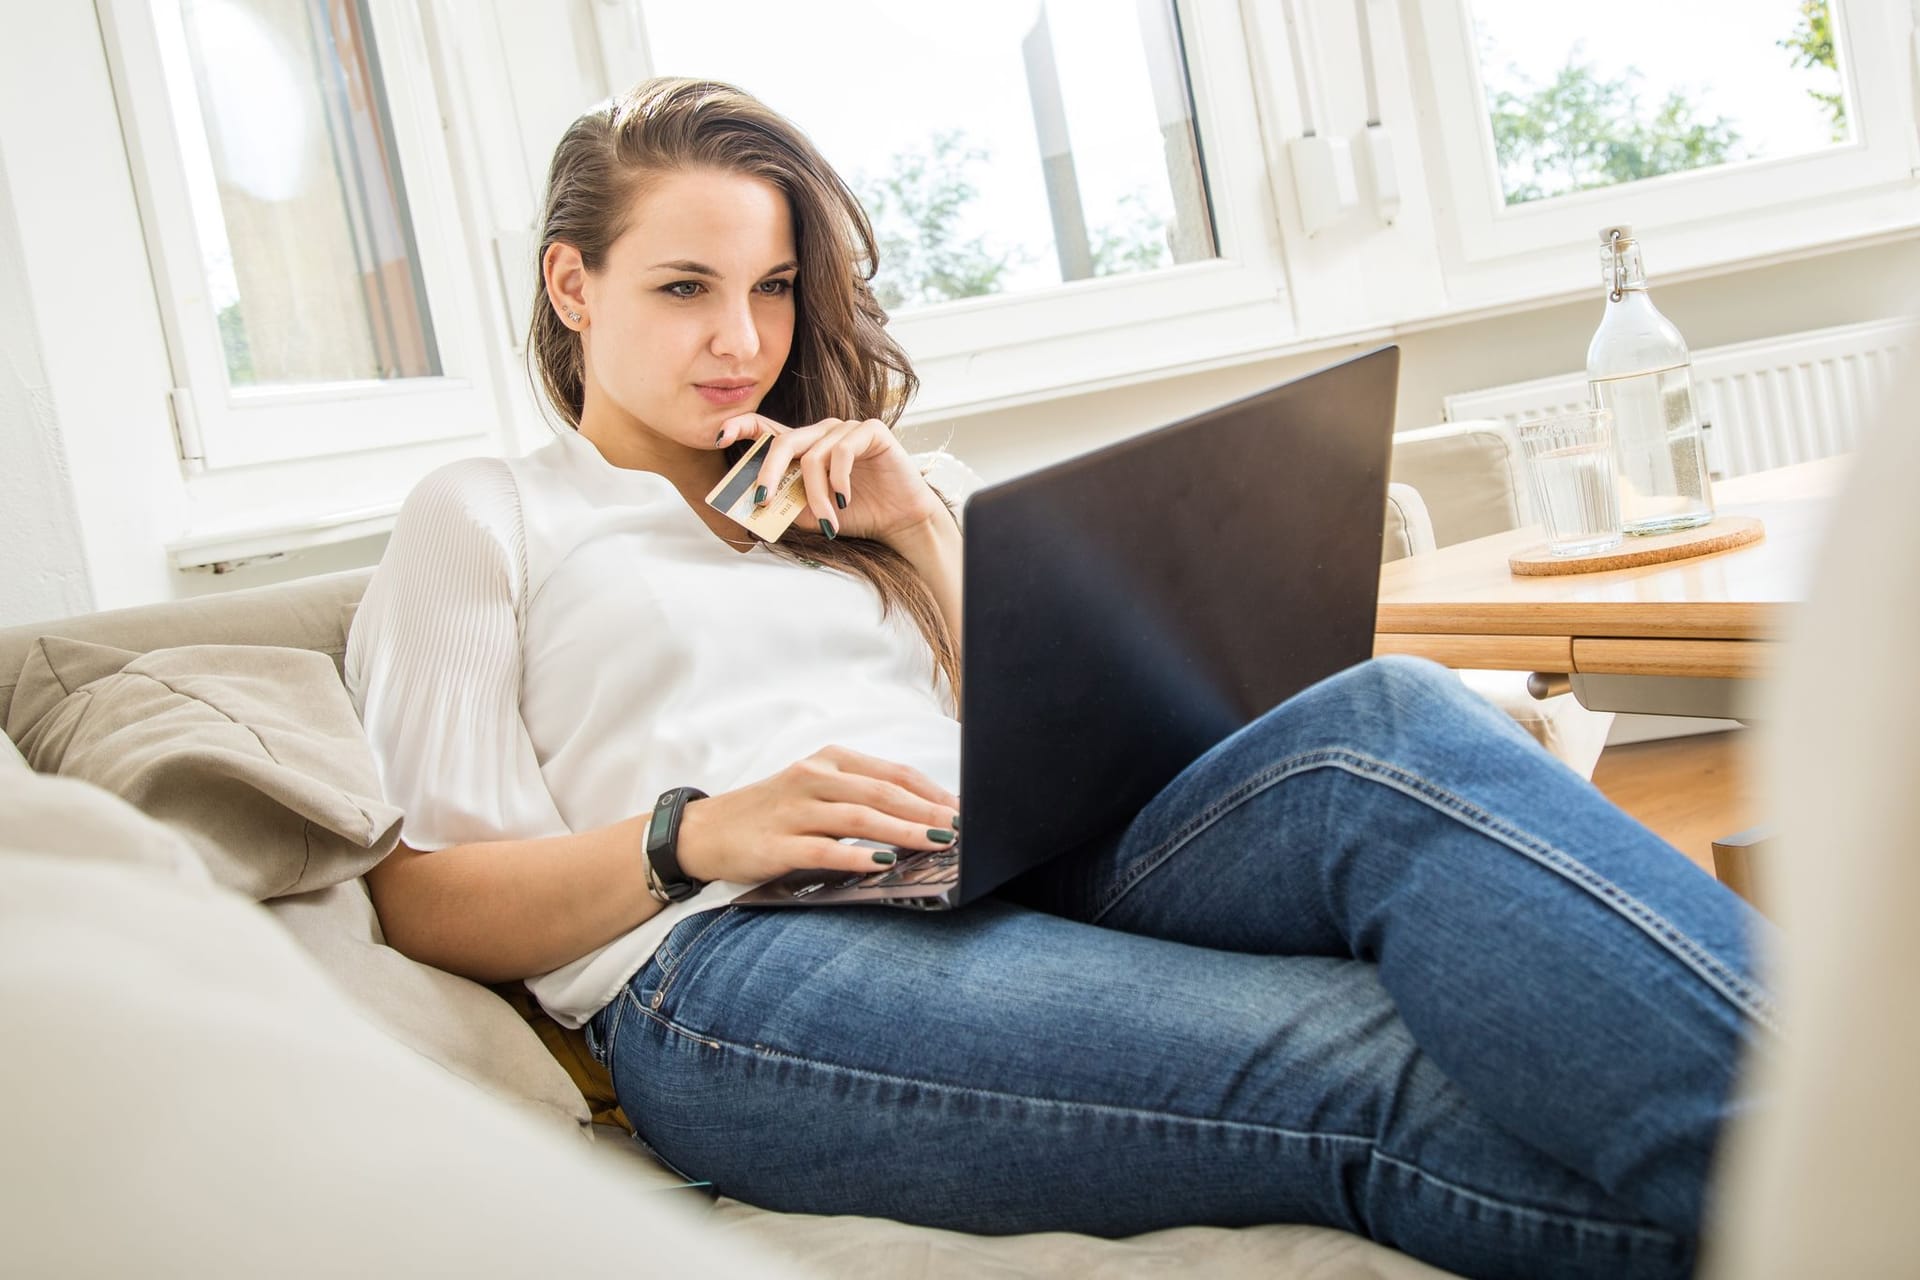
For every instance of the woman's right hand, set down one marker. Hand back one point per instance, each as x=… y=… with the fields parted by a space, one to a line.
x=795 y=819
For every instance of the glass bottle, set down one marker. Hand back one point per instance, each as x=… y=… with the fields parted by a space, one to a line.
x=1638 y=366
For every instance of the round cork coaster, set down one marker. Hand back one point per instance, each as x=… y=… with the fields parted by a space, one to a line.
x=1720 y=534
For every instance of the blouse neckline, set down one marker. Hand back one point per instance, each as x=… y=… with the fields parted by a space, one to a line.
x=640 y=487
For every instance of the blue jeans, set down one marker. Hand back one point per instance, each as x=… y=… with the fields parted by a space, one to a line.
x=1376 y=961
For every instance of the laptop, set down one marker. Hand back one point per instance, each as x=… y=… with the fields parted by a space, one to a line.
x=1127 y=609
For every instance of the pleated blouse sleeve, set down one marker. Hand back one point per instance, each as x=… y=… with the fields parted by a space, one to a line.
x=433 y=664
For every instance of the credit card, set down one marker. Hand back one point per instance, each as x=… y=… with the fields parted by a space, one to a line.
x=733 y=496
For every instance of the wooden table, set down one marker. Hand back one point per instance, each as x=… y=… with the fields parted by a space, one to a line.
x=1702 y=627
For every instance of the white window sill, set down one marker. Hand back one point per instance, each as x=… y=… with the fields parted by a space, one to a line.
x=226 y=551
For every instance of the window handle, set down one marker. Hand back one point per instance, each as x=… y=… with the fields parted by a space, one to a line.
x=1376 y=144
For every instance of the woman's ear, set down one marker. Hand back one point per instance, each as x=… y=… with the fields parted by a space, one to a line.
x=566 y=277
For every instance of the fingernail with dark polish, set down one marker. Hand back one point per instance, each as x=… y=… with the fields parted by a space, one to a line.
x=759 y=495
x=956 y=822
x=826 y=527
x=840 y=501
x=939 y=835
x=718 y=436
x=885 y=857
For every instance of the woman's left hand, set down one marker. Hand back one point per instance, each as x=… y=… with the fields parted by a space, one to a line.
x=859 y=478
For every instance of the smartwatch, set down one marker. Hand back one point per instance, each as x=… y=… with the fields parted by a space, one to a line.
x=663 y=838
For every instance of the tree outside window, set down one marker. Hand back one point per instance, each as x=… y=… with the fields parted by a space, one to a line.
x=1655 y=90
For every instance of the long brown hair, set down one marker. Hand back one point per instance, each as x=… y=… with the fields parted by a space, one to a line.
x=842 y=364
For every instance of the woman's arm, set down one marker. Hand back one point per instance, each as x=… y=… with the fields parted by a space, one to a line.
x=497 y=910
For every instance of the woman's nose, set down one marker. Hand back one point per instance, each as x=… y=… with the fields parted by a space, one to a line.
x=737 y=336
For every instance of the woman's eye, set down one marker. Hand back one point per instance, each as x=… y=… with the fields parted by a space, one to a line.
x=774 y=288
x=684 y=288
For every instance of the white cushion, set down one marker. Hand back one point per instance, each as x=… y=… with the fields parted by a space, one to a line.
x=185 y=1093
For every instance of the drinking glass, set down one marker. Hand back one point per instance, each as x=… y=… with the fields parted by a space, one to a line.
x=1569 y=462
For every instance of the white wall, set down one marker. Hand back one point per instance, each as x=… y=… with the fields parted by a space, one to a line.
x=87 y=310
x=45 y=571
x=1873 y=283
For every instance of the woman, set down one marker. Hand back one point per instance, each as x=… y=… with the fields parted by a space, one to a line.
x=1374 y=961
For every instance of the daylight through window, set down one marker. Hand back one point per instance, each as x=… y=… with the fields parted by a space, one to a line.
x=1584 y=96
x=1079 y=162
x=296 y=197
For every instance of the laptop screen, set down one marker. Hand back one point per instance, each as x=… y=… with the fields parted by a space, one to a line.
x=1127 y=609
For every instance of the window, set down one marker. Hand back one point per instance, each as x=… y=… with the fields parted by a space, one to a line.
x=314 y=292
x=1067 y=225
x=1082 y=163
x=304 y=159
x=1722 y=130
x=1576 y=102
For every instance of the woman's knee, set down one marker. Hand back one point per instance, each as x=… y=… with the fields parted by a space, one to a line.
x=1397 y=676
x=1377 y=703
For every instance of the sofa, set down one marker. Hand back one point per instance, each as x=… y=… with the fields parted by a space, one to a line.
x=224 y=1057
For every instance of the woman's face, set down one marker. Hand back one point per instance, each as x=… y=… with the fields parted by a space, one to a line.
x=690 y=319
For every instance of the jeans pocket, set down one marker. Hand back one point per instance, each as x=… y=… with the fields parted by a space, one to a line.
x=681 y=945
x=596 y=1045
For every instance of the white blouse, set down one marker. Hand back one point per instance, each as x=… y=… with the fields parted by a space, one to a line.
x=551 y=641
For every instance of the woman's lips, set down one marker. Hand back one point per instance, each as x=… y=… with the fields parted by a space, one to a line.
x=724 y=393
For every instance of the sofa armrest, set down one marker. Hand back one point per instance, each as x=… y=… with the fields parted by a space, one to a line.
x=1409 y=528
x=1468 y=473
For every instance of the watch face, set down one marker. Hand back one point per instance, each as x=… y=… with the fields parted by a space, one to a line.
x=662 y=834
x=658 y=831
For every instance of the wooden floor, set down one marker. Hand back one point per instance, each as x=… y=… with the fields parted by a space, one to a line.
x=1688 y=790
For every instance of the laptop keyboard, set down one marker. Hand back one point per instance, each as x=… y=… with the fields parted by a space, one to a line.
x=925 y=866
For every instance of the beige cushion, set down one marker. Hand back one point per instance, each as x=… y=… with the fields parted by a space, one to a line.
x=252 y=753
x=252 y=759
x=459 y=1024
x=196 y=1099
x=298 y=615
x=70 y=818
x=1409 y=529
x=1469 y=475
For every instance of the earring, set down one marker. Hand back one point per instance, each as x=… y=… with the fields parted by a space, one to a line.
x=573 y=316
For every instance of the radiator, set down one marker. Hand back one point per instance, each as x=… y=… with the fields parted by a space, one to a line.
x=1765 y=404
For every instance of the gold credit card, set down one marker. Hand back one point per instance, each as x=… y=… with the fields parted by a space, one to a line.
x=733 y=496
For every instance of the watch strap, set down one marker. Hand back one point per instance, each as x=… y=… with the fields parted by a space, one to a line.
x=663 y=840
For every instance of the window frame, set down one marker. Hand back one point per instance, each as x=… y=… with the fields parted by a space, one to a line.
x=484 y=113
x=1001 y=350
x=221 y=428
x=1494 y=253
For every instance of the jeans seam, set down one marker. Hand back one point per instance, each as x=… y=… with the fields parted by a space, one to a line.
x=613 y=1027
x=671 y=968
x=1528 y=1211
x=1736 y=989
x=1372 y=1144
x=1002 y=1095
x=668 y=1024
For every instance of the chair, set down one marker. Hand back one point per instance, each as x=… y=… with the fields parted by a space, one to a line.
x=1462 y=480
